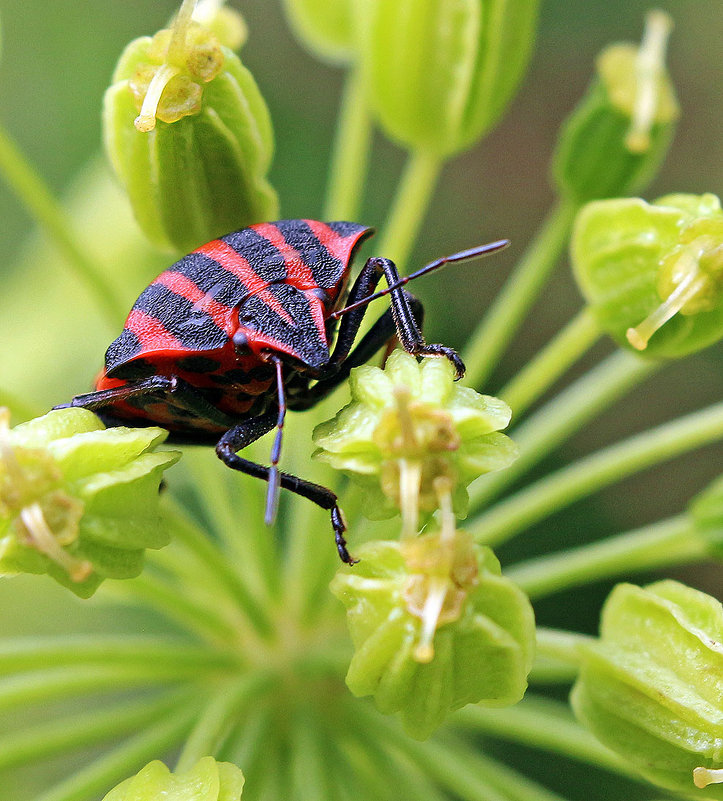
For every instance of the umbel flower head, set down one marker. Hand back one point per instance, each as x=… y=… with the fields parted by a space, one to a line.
x=189 y=135
x=653 y=273
x=435 y=626
x=651 y=688
x=207 y=780
x=408 y=425
x=79 y=501
x=616 y=138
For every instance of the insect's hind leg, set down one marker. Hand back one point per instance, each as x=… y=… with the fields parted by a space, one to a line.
x=249 y=431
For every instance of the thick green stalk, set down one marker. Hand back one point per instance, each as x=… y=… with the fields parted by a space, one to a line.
x=561 y=646
x=670 y=542
x=350 y=156
x=35 y=195
x=99 y=777
x=544 y=724
x=562 y=417
x=550 y=363
x=63 y=734
x=53 y=684
x=520 y=291
x=212 y=727
x=157 y=653
x=409 y=207
x=596 y=471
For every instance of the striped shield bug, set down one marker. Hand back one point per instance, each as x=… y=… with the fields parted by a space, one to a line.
x=224 y=341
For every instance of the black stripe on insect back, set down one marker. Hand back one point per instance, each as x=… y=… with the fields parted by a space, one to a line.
x=263 y=257
x=211 y=278
x=193 y=327
x=326 y=268
x=125 y=347
x=346 y=229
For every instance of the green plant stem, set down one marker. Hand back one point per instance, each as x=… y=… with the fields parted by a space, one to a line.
x=456 y=767
x=30 y=653
x=61 y=735
x=544 y=724
x=409 y=207
x=214 y=724
x=35 y=195
x=54 y=684
x=307 y=770
x=173 y=603
x=596 y=471
x=350 y=156
x=100 y=776
x=559 y=419
x=667 y=543
x=550 y=363
x=218 y=564
x=235 y=507
x=562 y=646
x=520 y=291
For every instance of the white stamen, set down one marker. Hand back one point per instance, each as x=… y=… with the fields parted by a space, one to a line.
x=649 y=67
x=45 y=541
x=702 y=777
x=686 y=290
x=410 y=479
x=146 y=120
x=424 y=651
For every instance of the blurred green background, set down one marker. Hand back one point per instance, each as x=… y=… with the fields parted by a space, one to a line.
x=57 y=59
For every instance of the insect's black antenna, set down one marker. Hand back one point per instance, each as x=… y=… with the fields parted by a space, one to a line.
x=463 y=255
x=272 y=493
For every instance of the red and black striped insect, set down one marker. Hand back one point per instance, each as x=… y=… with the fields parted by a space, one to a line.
x=227 y=339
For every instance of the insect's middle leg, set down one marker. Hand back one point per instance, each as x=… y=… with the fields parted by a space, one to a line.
x=247 y=432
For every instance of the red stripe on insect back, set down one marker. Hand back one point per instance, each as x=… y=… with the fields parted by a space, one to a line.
x=179 y=284
x=232 y=261
x=338 y=246
x=298 y=272
x=151 y=333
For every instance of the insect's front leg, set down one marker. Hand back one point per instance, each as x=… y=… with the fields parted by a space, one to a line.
x=249 y=431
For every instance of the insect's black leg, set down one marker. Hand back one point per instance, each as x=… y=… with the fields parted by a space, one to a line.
x=377 y=336
x=178 y=392
x=244 y=434
x=406 y=327
x=272 y=496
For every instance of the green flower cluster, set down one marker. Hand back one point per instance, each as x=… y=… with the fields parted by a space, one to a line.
x=79 y=501
x=189 y=135
x=652 y=687
x=207 y=780
x=653 y=273
x=409 y=425
x=435 y=626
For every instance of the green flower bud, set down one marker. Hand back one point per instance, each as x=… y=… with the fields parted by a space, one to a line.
x=651 y=688
x=325 y=28
x=615 y=140
x=435 y=626
x=653 y=273
x=409 y=425
x=79 y=501
x=439 y=73
x=189 y=136
x=208 y=780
